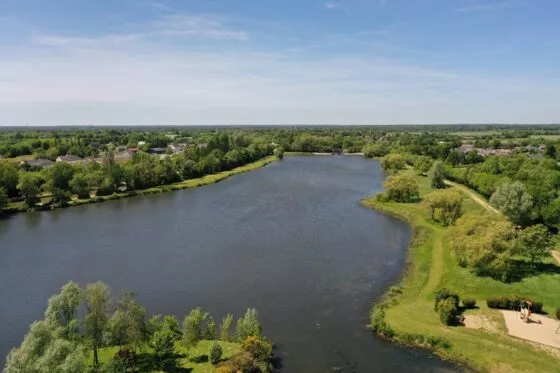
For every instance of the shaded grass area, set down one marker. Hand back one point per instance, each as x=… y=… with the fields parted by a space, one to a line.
x=408 y=310
x=14 y=207
x=193 y=360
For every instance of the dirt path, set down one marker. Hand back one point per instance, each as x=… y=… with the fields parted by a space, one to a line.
x=556 y=255
x=474 y=197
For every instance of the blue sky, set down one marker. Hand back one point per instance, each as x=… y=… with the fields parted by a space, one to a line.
x=181 y=62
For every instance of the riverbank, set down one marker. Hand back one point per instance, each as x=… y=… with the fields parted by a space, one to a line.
x=186 y=184
x=405 y=314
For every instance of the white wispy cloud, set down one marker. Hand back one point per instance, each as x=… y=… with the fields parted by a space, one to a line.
x=336 y=5
x=144 y=76
x=196 y=25
x=488 y=6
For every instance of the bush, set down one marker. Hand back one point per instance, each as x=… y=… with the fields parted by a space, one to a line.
x=258 y=347
x=513 y=303
x=215 y=353
x=558 y=313
x=448 y=311
x=444 y=294
x=469 y=303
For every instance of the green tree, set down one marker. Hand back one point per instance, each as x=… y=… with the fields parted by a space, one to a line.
x=225 y=327
x=513 y=200
x=393 y=162
x=215 y=353
x=59 y=176
x=97 y=299
x=9 y=178
x=248 y=325
x=449 y=203
x=401 y=188
x=79 y=185
x=536 y=242
x=127 y=325
x=375 y=150
x=162 y=343
x=484 y=243
x=62 y=310
x=29 y=188
x=438 y=175
x=3 y=200
x=279 y=152
x=210 y=332
x=42 y=351
x=193 y=327
x=422 y=164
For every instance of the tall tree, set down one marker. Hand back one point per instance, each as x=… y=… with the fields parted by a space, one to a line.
x=97 y=297
x=536 y=242
x=9 y=178
x=449 y=203
x=513 y=200
x=193 y=327
x=225 y=327
x=401 y=188
x=29 y=187
x=127 y=325
x=438 y=175
x=62 y=310
x=248 y=325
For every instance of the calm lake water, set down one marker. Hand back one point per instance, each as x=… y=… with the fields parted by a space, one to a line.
x=290 y=239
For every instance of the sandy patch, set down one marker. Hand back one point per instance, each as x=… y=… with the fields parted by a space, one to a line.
x=480 y=322
x=541 y=329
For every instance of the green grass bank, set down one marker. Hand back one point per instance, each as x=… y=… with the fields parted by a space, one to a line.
x=194 y=360
x=406 y=312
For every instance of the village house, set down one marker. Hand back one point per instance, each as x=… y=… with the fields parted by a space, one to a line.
x=37 y=163
x=68 y=159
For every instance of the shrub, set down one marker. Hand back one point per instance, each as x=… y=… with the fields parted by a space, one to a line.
x=215 y=353
x=126 y=358
x=469 y=303
x=558 y=313
x=443 y=294
x=537 y=307
x=448 y=311
x=258 y=347
x=513 y=303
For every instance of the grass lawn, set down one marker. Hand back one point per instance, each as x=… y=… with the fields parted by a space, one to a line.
x=431 y=266
x=195 y=360
x=19 y=159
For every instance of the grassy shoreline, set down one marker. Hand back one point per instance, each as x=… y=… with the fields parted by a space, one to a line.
x=186 y=184
x=405 y=313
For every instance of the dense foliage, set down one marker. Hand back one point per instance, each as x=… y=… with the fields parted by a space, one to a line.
x=401 y=188
x=446 y=304
x=64 y=339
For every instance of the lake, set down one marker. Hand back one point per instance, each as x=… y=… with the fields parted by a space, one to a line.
x=290 y=239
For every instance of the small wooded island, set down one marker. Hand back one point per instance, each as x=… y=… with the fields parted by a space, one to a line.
x=115 y=336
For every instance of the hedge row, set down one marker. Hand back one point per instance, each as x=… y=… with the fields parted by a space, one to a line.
x=513 y=303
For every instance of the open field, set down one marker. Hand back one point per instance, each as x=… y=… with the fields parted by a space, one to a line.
x=473 y=134
x=432 y=265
